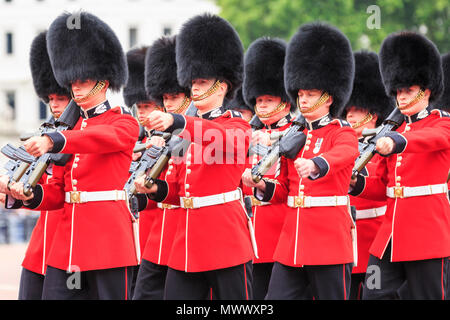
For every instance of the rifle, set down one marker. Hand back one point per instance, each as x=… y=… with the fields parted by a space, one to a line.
x=368 y=150
x=175 y=146
x=47 y=126
x=153 y=159
x=288 y=146
x=66 y=121
x=18 y=164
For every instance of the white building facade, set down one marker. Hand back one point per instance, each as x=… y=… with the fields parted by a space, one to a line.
x=136 y=23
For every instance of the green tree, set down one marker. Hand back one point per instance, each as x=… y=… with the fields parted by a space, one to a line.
x=282 y=18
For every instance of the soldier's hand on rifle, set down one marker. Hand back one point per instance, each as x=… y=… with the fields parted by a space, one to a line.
x=262 y=138
x=2 y=198
x=248 y=181
x=136 y=155
x=156 y=141
x=37 y=146
x=17 y=192
x=305 y=167
x=159 y=120
x=385 y=145
x=139 y=183
x=4 y=180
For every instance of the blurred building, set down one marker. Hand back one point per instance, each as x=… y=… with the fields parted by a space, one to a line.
x=136 y=23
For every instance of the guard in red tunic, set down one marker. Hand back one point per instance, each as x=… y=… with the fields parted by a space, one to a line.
x=162 y=86
x=367 y=108
x=315 y=252
x=413 y=242
x=212 y=246
x=94 y=238
x=34 y=264
x=263 y=89
x=136 y=98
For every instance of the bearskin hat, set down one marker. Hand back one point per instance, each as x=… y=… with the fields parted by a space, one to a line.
x=238 y=103
x=88 y=50
x=161 y=69
x=443 y=102
x=319 y=56
x=41 y=70
x=263 y=70
x=134 y=91
x=368 y=89
x=407 y=59
x=209 y=47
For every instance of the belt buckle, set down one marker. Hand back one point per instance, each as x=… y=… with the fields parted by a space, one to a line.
x=75 y=197
x=166 y=206
x=188 y=203
x=255 y=202
x=299 y=201
x=398 y=192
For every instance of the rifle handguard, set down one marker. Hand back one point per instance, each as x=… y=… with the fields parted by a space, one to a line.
x=37 y=173
x=265 y=164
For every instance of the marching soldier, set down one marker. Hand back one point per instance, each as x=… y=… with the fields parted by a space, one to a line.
x=34 y=264
x=134 y=96
x=367 y=108
x=263 y=88
x=314 y=254
x=413 y=242
x=95 y=235
x=162 y=86
x=212 y=247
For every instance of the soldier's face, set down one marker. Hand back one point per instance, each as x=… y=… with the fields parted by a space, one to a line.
x=246 y=114
x=57 y=104
x=266 y=104
x=201 y=86
x=173 y=101
x=307 y=98
x=355 y=115
x=406 y=95
x=145 y=108
x=82 y=88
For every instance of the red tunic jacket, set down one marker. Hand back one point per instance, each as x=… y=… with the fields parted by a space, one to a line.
x=318 y=235
x=212 y=237
x=92 y=235
x=41 y=239
x=419 y=227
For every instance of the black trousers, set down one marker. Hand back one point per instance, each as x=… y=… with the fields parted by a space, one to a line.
x=328 y=282
x=425 y=279
x=31 y=284
x=105 y=284
x=356 y=286
x=150 y=281
x=261 y=279
x=234 y=283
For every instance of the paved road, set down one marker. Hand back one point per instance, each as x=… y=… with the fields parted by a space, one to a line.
x=11 y=256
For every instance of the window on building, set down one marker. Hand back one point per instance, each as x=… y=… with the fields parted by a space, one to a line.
x=9 y=43
x=11 y=102
x=167 y=31
x=132 y=37
x=42 y=110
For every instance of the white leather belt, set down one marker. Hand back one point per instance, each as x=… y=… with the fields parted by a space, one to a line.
x=406 y=192
x=370 y=213
x=84 y=196
x=166 y=206
x=199 y=202
x=309 y=202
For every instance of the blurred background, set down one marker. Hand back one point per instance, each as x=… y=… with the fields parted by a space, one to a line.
x=139 y=22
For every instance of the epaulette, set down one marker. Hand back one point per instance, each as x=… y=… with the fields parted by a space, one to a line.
x=232 y=114
x=440 y=113
x=121 y=110
x=340 y=122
